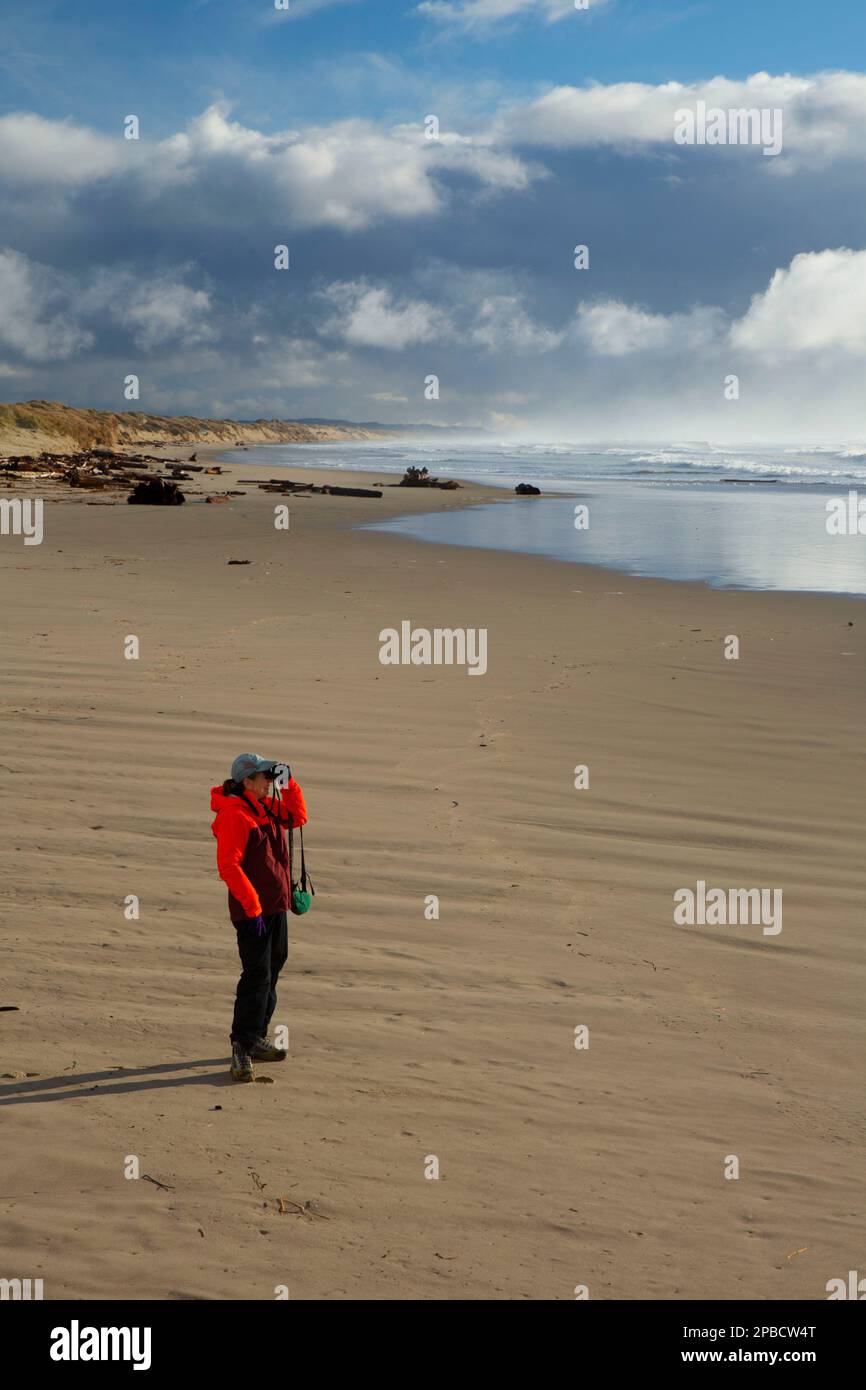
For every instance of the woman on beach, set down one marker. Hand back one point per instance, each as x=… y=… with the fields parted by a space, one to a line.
x=253 y=862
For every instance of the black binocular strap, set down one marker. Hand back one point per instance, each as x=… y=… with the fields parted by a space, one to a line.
x=303 y=879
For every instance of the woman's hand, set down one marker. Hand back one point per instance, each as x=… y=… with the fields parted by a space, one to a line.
x=253 y=926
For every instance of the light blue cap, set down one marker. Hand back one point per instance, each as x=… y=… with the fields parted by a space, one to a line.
x=248 y=764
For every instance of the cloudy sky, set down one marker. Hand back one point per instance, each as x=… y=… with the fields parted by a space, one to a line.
x=411 y=256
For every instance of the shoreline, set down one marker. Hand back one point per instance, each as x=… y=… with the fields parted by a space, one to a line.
x=471 y=494
x=691 y=504
x=355 y=514
x=245 y=476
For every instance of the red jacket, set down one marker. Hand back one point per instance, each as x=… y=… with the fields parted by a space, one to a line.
x=252 y=853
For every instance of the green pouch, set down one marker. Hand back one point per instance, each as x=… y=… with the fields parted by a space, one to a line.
x=302 y=899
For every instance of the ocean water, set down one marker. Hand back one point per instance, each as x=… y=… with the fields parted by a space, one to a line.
x=732 y=517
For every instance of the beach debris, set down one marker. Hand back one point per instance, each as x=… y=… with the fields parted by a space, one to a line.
x=347 y=491
x=192 y=458
x=288 y=1207
x=415 y=477
x=76 y=478
x=527 y=490
x=326 y=490
x=9 y=1009
x=97 y=469
x=217 y=497
x=257 y=1180
x=285 y=485
x=105 y=470
x=239 y=562
x=419 y=477
x=165 y=1187
x=157 y=492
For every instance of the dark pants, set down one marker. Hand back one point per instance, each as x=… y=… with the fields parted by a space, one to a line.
x=262 y=958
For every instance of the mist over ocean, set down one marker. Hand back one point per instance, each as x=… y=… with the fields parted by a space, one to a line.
x=733 y=517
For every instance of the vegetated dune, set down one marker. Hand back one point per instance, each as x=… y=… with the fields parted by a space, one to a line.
x=29 y=427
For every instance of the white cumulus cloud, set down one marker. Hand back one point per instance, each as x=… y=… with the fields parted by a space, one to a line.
x=36 y=151
x=48 y=315
x=503 y=325
x=817 y=304
x=349 y=174
x=371 y=316
x=165 y=310
x=36 y=318
x=611 y=328
x=823 y=116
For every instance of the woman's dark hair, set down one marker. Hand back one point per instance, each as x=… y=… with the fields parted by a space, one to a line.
x=231 y=788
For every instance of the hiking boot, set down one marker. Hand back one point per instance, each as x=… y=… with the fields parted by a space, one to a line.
x=265 y=1051
x=241 y=1067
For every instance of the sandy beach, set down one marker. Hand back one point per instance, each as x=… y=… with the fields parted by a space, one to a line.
x=559 y=1167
